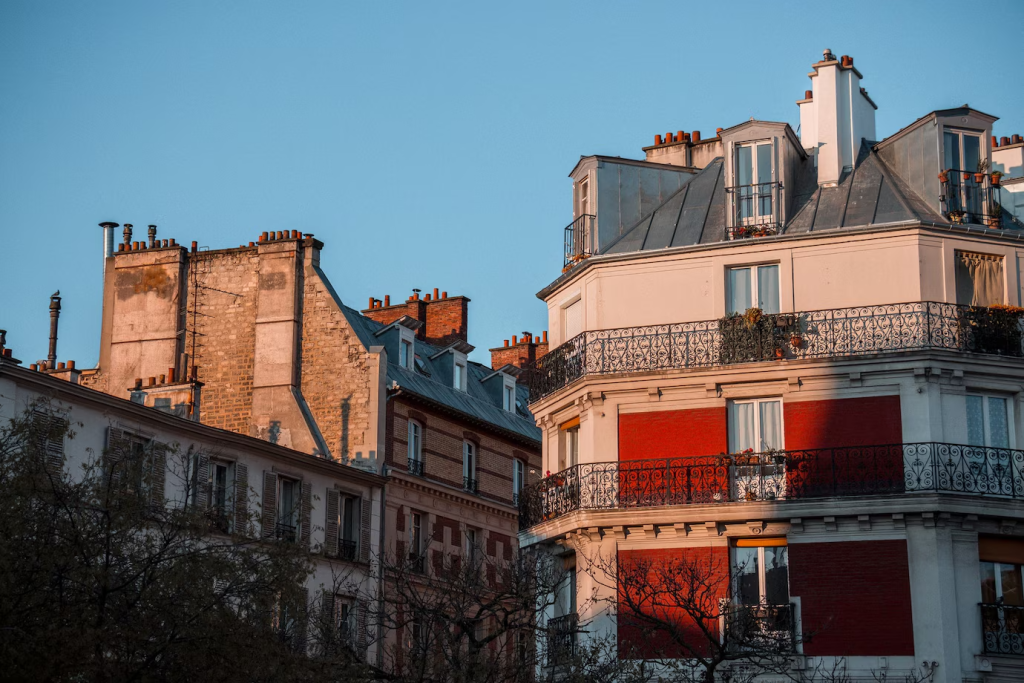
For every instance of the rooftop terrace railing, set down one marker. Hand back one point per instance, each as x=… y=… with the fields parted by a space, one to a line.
x=579 y=240
x=895 y=469
x=968 y=197
x=829 y=333
x=755 y=210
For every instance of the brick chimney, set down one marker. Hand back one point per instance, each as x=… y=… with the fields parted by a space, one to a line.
x=446 y=319
x=520 y=352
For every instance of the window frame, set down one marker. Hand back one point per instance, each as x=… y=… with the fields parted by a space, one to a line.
x=566 y=336
x=469 y=464
x=416 y=534
x=758 y=431
x=295 y=486
x=985 y=396
x=583 y=196
x=759 y=544
x=518 y=477
x=508 y=393
x=754 y=292
x=756 y=215
x=225 y=512
x=961 y=133
x=414 y=441
x=344 y=521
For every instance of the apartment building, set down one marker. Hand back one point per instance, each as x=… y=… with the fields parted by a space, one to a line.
x=247 y=486
x=800 y=354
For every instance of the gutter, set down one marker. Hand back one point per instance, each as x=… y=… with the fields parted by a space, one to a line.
x=835 y=232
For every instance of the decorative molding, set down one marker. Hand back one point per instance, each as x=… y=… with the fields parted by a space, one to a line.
x=797 y=524
x=830 y=523
x=649 y=531
x=864 y=522
x=899 y=521
x=712 y=529
x=654 y=394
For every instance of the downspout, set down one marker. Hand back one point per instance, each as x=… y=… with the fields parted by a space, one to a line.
x=380 y=561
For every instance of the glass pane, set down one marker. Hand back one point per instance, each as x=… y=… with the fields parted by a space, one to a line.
x=972 y=152
x=776 y=575
x=351 y=518
x=988 y=582
x=764 y=163
x=739 y=290
x=998 y=430
x=748 y=585
x=1010 y=576
x=951 y=144
x=771 y=425
x=768 y=289
x=742 y=427
x=744 y=166
x=975 y=421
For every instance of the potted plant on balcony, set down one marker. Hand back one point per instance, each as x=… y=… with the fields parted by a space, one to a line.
x=943 y=177
x=796 y=340
x=751 y=336
x=996 y=178
x=994 y=329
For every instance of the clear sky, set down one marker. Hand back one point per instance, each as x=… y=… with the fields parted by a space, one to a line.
x=426 y=143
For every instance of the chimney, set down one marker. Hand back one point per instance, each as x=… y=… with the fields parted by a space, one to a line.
x=387 y=314
x=447 y=320
x=51 y=358
x=835 y=116
x=523 y=351
x=108 y=241
x=152 y=237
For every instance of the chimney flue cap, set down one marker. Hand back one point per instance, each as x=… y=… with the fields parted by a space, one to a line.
x=109 y=224
x=827 y=56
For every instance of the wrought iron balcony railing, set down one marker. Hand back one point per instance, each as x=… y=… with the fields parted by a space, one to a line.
x=562 y=639
x=755 y=210
x=895 y=469
x=764 y=627
x=288 y=533
x=830 y=333
x=415 y=467
x=417 y=563
x=967 y=197
x=579 y=240
x=1002 y=628
x=347 y=550
x=469 y=484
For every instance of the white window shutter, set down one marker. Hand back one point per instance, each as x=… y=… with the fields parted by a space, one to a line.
x=573 y=320
x=201 y=485
x=331 y=523
x=269 y=519
x=241 y=498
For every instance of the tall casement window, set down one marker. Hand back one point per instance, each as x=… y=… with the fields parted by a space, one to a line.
x=761 y=572
x=583 y=193
x=416 y=549
x=989 y=422
x=753 y=195
x=962 y=150
x=572 y=316
x=288 y=497
x=508 y=396
x=221 y=495
x=979 y=279
x=755 y=425
x=570 y=454
x=459 y=376
x=1002 y=593
x=518 y=478
x=405 y=353
x=414 y=453
x=469 y=466
x=350 y=518
x=470 y=546
x=962 y=157
x=752 y=287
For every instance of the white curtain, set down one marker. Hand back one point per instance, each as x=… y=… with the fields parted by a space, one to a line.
x=771 y=425
x=979 y=279
x=743 y=427
x=768 y=289
x=739 y=290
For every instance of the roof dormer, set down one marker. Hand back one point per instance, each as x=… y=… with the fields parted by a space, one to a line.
x=452 y=363
x=399 y=340
x=500 y=387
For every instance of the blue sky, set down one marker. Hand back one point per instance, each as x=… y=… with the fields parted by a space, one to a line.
x=427 y=144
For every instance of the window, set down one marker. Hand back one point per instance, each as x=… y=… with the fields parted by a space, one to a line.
x=979 y=279
x=963 y=156
x=415 y=448
x=962 y=150
x=405 y=353
x=417 y=636
x=1002 y=593
x=416 y=542
x=288 y=509
x=753 y=180
x=459 y=377
x=570 y=454
x=470 y=548
x=988 y=421
x=518 y=478
x=755 y=425
x=750 y=284
x=344 y=615
x=221 y=490
x=350 y=513
x=761 y=572
x=469 y=466
x=508 y=396
x=573 y=317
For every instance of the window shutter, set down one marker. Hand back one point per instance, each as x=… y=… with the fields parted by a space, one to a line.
x=364 y=530
x=573 y=320
x=269 y=519
x=117 y=449
x=50 y=430
x=331 y=523
x=201 y=486
x=301 y=621
x=327 y=611
x=157 y=475
x=241 y=498
x=362 y=630
x=305 y=512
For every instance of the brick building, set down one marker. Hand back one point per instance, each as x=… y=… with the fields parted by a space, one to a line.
x=798 y=354
x=261 y=338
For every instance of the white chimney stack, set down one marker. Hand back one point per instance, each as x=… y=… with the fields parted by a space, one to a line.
x=835 y=115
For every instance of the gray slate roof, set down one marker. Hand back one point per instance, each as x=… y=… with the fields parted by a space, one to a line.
x=474 y=402
x=871 y=194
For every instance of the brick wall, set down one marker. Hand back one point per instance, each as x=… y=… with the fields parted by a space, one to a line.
x=414 y=308
x=443 y=436
x=866 y=421
x=682 y=636
x=521 y=352
x=447 y=321
x=336 y=372
x=672 y=433
x=855 y=597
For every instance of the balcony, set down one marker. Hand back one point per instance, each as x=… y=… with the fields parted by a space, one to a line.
x=347 y=550
x=763 y=627
x=755 y=211
x=417 y=563
x=579 y=240
x=1002 y=629
x=968 y=197
x=831 y=333
x=562 y=639
x=415 y=467
x=896 y=469
x=469 y=484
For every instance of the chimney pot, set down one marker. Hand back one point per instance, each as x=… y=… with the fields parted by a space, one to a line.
x=387 y=299
x=170 y=375
x=135 y=245
x=33 y=366
x=515 y=340
x=685 y=138
x=127 y=233
x=657 y=140
x=151 y=382
x=295 y=234
x=435 y=293
x=163 y=379
x=120 y=247
x=808 y=95
x=370 y=305
x=71 y=365
x=995 y=141
x=1016 y=139
x=7 y=353
x=718 y=131
x=426 y=297
x=545 y=337
x=506 y=343
x=695 y=136
x=251 y=244
x=444 y=295
x=60 y=365
x=173 y=242
x=152 y=236
x=138 y=382
x=1004 y=140
x=166 y=243
x=195 y=246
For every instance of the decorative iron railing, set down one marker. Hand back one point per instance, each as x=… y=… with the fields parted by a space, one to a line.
x=828 y=333
x=469 y=484
x=562 y=639
x=778 y=476
x=287 y=532
x=347 y=550
x=579 y=240
x=764 y=627
x=755 y=210
x=1002 y=628
x=415 y=467
x=967 y=197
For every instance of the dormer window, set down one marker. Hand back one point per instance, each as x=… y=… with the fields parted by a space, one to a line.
x=459 y=374
x=405 y=353
x=508 y=395
x=965 y=179
x=754 y=191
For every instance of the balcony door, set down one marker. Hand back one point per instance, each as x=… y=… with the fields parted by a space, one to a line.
x=962 y=155
x=760 y=573
x=753 y=179
x=755 y=432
